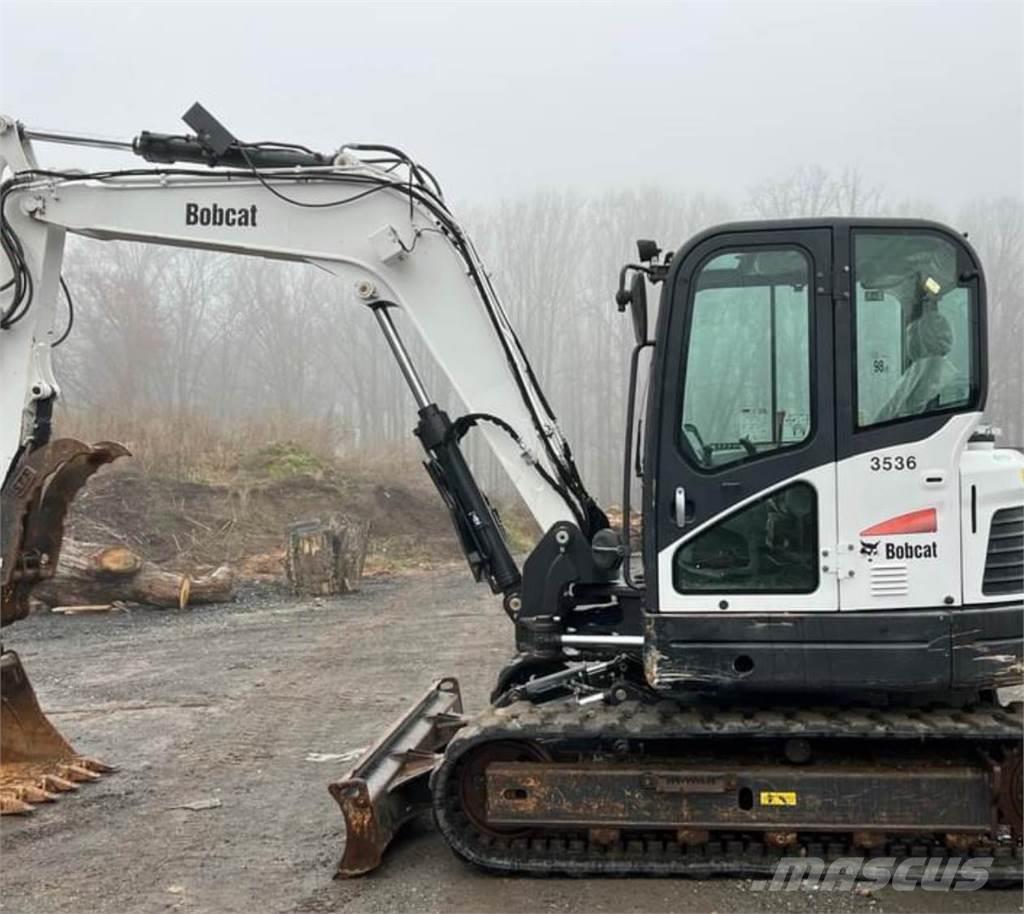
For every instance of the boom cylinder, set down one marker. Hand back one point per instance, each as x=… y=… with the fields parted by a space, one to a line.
x=476 y=524
x=401 y=354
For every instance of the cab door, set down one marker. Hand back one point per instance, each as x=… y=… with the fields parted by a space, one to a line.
x=742 y=484
x=910 y=376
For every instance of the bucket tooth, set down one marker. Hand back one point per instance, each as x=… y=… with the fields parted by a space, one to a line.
x=77 y=773
x=33 y=794
x=10 y=805
x=58 y=784
x=95 y=765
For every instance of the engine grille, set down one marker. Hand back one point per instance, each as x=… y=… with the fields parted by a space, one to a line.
x=1004 y=563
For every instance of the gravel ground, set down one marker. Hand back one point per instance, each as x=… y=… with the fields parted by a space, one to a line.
x=228 y=703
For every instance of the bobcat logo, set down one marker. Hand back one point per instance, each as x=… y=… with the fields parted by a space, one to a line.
x=869 y=549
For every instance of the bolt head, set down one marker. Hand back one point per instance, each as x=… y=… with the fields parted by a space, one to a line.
x=366 y=289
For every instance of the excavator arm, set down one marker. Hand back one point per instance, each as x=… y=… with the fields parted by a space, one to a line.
x=387 y=235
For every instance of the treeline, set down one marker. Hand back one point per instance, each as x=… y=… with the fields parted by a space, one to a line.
x=180 y=350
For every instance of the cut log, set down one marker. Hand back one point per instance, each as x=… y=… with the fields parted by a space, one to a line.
x=89 y=574
x=327 y=557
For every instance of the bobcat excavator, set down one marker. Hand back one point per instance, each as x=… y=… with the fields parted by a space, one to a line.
x=798 y=653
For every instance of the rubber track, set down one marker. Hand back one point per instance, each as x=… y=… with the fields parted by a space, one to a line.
x=735 y=854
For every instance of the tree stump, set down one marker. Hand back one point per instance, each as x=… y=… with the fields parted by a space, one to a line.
x=327 y=557
x=89 y=574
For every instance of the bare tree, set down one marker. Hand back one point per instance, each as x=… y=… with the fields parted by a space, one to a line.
x=811 y=190
x=996 y=228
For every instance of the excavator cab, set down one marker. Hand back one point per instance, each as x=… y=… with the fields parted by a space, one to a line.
x=816 y=386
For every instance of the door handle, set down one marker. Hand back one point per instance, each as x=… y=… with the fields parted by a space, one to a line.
x=679 y=506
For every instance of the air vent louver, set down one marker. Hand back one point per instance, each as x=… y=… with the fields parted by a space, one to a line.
x=1004 y=564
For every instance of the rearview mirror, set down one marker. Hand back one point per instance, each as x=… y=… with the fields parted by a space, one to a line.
x=638 y=306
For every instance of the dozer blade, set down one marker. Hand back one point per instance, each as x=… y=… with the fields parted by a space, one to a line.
x=390 y=783
x=36 y=763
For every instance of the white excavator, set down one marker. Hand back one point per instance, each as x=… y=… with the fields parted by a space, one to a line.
x=800 y=653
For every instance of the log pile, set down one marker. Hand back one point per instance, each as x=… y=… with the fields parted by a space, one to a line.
x=89 y=574
x=327 y=557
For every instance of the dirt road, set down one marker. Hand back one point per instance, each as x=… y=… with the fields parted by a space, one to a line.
x=231 y=703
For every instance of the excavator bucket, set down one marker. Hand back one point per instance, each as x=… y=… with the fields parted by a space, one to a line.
x=36 y=763
x=390 y=783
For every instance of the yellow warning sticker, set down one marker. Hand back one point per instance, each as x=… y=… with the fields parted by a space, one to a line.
x=778 y=798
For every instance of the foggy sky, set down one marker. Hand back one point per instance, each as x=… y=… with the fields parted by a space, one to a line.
x=927 y=99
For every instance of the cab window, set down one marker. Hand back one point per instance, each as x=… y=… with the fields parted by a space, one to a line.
x=746 y=389
x=768 y=546
x=915 y=328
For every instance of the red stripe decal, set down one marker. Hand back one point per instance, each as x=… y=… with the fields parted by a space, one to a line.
x=924 y=521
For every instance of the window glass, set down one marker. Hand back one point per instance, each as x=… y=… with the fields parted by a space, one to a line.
x=914 y=327
x=770 y=545
x=747 y=385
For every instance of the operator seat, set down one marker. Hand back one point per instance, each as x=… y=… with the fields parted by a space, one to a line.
x=930 y=373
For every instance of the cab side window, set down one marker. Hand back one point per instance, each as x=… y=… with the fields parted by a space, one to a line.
x=746 y=390
x=915 y=328
x=768 y=546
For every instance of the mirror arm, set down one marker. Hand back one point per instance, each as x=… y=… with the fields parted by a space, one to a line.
x=627 y=466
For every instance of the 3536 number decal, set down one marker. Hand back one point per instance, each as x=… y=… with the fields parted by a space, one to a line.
x=886 y=464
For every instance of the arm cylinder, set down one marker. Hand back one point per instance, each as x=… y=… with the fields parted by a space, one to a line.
x=167 y=148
